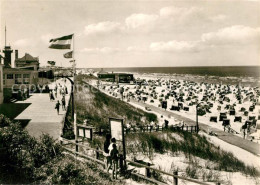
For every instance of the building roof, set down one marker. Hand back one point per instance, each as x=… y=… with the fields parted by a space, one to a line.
x=28 y=57
x=15 y=69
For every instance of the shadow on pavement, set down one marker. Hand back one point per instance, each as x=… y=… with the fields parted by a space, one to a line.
x=23 y=122
x=12 y=110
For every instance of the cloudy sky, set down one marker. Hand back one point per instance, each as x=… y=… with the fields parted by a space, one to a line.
x=118 y=33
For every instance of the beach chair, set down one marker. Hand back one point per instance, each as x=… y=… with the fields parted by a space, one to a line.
x=213 y=119
x=238 y=118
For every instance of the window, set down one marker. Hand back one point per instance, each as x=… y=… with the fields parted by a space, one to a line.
x=10 y=76
x=18 y=76
x=26 y=79
x=18 y=79
x=26 y=75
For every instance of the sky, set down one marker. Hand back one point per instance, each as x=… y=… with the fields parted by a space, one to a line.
x=136 y=33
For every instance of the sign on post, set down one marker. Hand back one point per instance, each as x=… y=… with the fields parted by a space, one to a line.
x=117 y=132
x=84 y=131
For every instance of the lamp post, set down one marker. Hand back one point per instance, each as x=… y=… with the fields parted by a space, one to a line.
x=197 y=118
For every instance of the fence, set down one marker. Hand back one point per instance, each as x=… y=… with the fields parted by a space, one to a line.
x=65 y=117
x=99 y=158
x=158 y=128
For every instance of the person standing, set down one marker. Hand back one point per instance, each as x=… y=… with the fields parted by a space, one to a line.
x=106 y=151
x=57 y=107
x=114 y=158
x=110 y=148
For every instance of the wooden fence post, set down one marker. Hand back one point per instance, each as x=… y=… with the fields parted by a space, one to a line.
x=191 y=129
x=175 y=179
x=148 y=171
x=121 y=163
x=76 y=147
x=97 y=153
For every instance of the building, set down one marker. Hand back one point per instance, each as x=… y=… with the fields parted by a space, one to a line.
x=27 y=61
x=8 y=56
x=16 y=79
x=17 y=76
x=116 y=77
x=22 y=78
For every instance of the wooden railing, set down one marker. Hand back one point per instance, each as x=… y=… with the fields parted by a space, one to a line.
x=99 y=159
x=157 y=128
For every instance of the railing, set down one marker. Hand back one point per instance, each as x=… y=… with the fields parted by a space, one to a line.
x=157 y=128
x=65 y=116
x=97 y=158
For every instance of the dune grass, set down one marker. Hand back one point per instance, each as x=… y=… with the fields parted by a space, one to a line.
x=97 y=107
x=190 y=145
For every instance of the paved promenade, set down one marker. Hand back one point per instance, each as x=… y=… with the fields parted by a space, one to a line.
x=42 y=113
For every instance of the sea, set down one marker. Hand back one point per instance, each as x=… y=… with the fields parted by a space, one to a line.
x=222 y=71
x=247 y=75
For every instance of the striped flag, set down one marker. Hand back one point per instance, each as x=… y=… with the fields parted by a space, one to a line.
x=68 y=54
x=61 y=43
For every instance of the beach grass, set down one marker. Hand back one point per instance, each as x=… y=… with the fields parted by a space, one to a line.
x=191 y=144
x=97 y=107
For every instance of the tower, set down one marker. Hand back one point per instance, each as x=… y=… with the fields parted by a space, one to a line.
x=8 y=54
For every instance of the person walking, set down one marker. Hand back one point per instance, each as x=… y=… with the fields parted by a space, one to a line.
x=51 y=96
x=57 y=106
x=55 y=91
x=63 y=102
x=114 y=158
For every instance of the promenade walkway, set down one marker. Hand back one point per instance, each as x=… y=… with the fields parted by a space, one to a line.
x=227 y=137
x=42 y=113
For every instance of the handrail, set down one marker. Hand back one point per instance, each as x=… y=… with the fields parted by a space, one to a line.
x=145 y=166
x=166 y=173
x=73 y=142
x=86 y=156
x=148 y=179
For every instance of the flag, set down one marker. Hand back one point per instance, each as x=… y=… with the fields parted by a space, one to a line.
x=61 y=43
x=68 y=54
x=51 y=63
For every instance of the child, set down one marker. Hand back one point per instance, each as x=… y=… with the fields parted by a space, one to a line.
x=114 y=158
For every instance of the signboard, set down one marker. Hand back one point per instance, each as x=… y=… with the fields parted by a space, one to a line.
x=84 y=131
x=116 y=126
x=117 y=132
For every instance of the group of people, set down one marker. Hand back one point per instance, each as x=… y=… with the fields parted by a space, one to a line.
x=62 y=91
x=111 y=155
